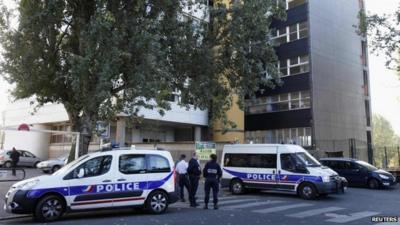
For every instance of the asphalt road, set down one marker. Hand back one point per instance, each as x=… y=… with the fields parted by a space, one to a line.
x=354 y=207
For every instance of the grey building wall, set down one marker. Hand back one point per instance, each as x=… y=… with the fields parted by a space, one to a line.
x=338 y=98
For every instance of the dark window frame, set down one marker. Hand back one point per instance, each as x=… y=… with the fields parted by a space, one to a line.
x=249 y=162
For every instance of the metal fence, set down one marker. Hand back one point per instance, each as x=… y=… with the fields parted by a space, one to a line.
x=351 y=148
x=387 y=156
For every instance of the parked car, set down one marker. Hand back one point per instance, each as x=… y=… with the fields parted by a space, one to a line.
x=52 y=165
x=26 y=159
x=360 y=173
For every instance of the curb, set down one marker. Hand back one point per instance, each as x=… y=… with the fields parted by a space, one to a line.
x=14 y=217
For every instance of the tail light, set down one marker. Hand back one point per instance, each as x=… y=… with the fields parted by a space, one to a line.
x=1 y=157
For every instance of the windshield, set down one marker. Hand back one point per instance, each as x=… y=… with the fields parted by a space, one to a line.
x=307 y=159
x=367 y=165
x=70 y=165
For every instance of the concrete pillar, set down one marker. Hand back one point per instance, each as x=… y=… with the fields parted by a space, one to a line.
x=120 y=131
x=197 y=133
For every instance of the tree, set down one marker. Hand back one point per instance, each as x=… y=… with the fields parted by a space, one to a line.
x=383 y=136
x=102 y=57
x=384 y=35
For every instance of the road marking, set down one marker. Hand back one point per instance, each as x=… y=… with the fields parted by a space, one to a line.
x=348 y=218
x=235 y=201
x=314 y=212
x=252 y=204
x=281 y=208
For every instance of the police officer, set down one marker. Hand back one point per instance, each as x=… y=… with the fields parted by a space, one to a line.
x=14 y=160
x=212 y=173
x=194 y=172
x=183 y=179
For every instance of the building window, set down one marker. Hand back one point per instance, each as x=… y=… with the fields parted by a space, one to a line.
x=294 y=66
x=277 y=103
x=60 y=138
x=366 y=88
x=290 y=33
x=300 y=136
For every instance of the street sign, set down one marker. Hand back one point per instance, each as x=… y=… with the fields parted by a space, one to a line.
x=23 y=127
x=103 y=129
x=205 y=149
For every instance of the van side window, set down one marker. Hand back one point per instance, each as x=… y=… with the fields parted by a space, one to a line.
x=157 y=164
x=132 y=164
x=93 y=167
x=288 y=162
x=250 y=160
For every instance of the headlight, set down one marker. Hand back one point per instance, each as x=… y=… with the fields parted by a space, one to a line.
x=27 y=185
x=384 y=177
x=326 y=179
x=43 y=164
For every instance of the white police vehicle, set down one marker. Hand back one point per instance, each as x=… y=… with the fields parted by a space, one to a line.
x=284 y=168
x=118 y=178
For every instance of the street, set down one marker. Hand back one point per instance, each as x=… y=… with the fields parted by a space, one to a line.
x=356 y=206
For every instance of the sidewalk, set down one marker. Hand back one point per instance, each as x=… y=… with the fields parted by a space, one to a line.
x=4 y=186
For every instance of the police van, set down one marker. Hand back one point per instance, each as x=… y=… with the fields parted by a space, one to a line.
x=118 y=178
x=283 y=168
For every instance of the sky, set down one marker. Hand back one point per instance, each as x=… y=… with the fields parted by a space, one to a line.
x=385 y=85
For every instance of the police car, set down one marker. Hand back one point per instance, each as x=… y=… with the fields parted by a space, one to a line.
x=283 y=168
x=118 y=178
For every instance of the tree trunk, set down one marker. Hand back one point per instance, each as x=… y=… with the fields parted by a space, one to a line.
x=83 y=125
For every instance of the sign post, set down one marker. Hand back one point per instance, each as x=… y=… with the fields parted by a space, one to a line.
x=205 y=149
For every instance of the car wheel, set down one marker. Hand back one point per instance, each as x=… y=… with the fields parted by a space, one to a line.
x=307 y=191
x=55 y=168
x=7 y=164
x=157 y=202
x=35 y=164
x=373 y=184
x=237 y=187
x=49 y=208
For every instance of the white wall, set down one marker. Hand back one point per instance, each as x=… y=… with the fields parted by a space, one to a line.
x=21 y=112
x=35 y=142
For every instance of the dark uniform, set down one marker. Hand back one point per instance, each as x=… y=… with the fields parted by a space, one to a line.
x=194 y=173
x=212 y=173
x=14 y=159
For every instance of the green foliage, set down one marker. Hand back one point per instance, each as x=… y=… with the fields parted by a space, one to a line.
x=101 y=57
x=383 y=133
x=384 y=35
x=384 y=137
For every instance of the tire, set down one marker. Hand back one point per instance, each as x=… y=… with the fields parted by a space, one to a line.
x=49 y=208
x=237 y=187
x=7 y=164
x=373 y=184
x=55 y=168
x=35 y=164
x=307 y=191
x=157 y=202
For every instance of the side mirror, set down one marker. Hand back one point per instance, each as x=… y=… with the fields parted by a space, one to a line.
x=81 y=173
